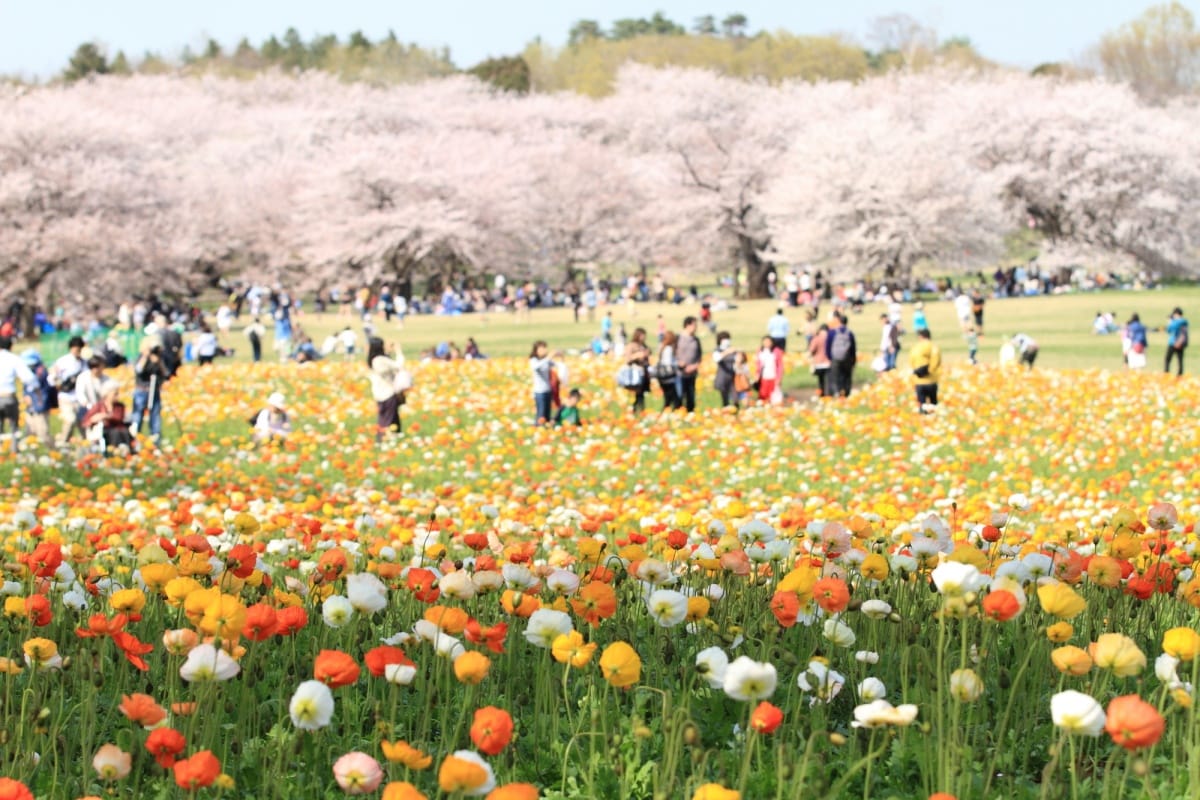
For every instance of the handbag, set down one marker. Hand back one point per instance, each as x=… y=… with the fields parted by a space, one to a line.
x=922 y=371
x=741 y=383
x=666 y=372
x=402 y=382
x=631 y=376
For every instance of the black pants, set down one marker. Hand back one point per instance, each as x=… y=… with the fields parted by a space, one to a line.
x=10 y=418
x=1174 y=353
x=840 y=378
x=780 y=343
x=639 y=399
x=688 y=383
x=671 y=399
x=926 y=393
x=256 y=346
x=822 y=374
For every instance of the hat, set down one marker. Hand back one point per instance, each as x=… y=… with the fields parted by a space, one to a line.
x=275 y=400
x=32 y=357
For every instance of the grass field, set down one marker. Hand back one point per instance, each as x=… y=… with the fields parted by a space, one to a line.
x=1061 y=324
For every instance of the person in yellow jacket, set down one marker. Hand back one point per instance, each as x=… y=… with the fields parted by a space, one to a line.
x=925 y=359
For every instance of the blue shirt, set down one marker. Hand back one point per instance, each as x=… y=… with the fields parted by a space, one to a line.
x=1173 y=328
x=777 y=327
x=1137 y=333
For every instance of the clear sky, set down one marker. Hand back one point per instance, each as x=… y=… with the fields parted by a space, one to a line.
x=37 y=36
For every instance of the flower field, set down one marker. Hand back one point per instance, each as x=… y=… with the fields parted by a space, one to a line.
x=823 y=600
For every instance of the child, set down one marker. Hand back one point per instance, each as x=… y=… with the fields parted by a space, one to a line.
x=568 y=414
x=919 y=321
x=972 y=343
x=349 y=341
x=741 y=380
x=272 y=422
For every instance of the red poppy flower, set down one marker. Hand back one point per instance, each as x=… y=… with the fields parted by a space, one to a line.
x=766 y=718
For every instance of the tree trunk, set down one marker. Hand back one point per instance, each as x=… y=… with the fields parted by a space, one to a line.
x=757 y=285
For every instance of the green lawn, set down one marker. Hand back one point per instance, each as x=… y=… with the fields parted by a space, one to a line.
x=1062 y=325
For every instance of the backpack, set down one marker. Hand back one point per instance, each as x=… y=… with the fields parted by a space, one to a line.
x=1181 y=337
x=840 y=349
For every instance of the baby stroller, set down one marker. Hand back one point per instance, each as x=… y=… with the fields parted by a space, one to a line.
x=107 y=428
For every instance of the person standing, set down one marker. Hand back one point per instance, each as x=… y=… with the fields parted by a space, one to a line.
x=725 y=381
x=972 y=344
x=688 y=353
x=63 y=376
x=1138 y=342
x=254 y=332
x=40 y=396
x=842 y=351
x=667 y=372
x=1177 y=339
x=770 y=372
x=12 y=369
x=977 y=309
x=889 y=342
x=778 y=328
x=925 y=359
x=541 y=363
x=818 y=360
x=386 y=389
x=149 y=375
x=637 y=354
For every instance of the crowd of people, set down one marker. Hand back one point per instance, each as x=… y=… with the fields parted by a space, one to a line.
x=171 y=334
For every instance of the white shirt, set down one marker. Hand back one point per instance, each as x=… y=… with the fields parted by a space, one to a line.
x=206 y=344
x=349 y=339
x=13 y=367
x=962 y=304
x=541 y=374
x=766 y=365
x=383 y=378
x=90 y=390
x=65 y=368
x=885 y=339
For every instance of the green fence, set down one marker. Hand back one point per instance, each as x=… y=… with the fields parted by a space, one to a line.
x=53 y=345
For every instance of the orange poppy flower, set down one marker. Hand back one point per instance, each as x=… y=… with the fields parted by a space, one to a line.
x=596 y=601
x=406 y=754
x=291 y=620
x=514 y=791
x=491 y=730
x=472 y=667
x=142 y=709
x=422 y=584
x=198 y=771
x=786 y=608
x=335 y=668
x=450 y=620
x=1133 y=723
x=491 y=637
x=832 y=595
x=261 y=622
x=377 y=659
x=1000 y=605
x=166 y=745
